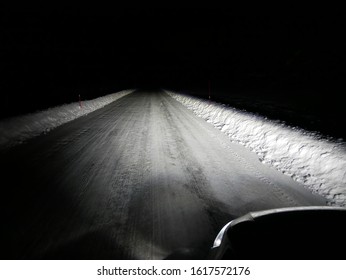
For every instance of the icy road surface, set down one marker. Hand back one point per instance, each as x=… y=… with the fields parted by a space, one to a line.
x=141 y=178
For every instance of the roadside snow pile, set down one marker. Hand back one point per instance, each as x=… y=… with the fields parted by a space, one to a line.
x=16 y=130
x=316 y=162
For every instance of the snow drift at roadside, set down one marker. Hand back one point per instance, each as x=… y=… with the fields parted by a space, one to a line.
x=16 y=130
x=316 y=162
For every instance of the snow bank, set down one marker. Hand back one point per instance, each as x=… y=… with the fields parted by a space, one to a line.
x=16 y=130
x=316 y=162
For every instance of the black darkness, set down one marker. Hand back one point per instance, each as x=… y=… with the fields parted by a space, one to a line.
x=48 y=58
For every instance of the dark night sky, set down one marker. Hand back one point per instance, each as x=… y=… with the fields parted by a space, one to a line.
x=49 y=57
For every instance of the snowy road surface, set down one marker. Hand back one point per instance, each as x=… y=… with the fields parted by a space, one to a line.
x=141 y=178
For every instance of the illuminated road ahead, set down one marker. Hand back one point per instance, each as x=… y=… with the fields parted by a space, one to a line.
x=142 y=178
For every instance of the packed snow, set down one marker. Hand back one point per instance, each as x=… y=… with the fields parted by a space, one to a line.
x=317 y=162
x=17 y=130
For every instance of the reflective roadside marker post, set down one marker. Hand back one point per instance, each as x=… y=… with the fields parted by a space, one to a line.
x=80 y=102
x=209 y=88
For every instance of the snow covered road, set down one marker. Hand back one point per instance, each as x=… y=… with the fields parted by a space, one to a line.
x=141 y=178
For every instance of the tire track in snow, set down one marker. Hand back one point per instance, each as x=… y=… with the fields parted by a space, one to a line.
x=277 y=191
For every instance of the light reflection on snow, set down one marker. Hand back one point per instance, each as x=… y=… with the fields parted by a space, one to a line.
x=310 y=159
x=17 y=130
